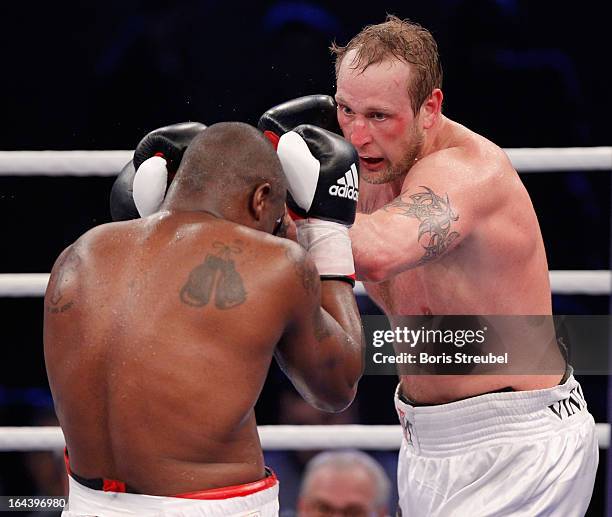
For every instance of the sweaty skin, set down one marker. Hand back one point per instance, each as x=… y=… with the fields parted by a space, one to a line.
x=445 y=225
x=158 y=336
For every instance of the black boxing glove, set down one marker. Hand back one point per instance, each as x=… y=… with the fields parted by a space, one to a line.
x=156 y=159
x=122 y=205
x=321 y=172
x=168 y=142
x=317 y=110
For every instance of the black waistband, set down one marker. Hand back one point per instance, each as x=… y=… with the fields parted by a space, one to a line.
x=112 y=485
x=102 y=484
x=405 y=399
x=568 y=372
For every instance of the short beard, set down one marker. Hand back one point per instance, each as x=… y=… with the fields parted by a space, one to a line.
x=396 y=170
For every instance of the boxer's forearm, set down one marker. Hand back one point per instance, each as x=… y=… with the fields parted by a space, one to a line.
x=321 y=350
x=338 y=300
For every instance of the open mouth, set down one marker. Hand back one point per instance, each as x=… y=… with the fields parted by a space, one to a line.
x=370 y=160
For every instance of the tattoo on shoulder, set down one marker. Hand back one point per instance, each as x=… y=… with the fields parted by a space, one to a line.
x=218 y=274
x=305 y=271
x=435 y=215
x=65 y=269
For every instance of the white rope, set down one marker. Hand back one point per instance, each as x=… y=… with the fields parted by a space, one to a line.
x=63 y=163
x=308 y=437
x=596 y=282
x=581 y=282
x=553 y=159
x=109 y=163
x=565 y=282
x=273 y=437
x=23 y=284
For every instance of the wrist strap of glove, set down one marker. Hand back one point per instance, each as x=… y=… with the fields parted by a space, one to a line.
x=329 y=245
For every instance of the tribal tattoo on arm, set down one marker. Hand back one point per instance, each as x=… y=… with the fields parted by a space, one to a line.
x=435 y=215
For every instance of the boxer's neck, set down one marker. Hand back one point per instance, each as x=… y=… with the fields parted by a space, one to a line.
x=437 y=137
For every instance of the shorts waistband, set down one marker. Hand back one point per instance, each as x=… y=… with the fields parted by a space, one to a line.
x=491 y=418
x=113 y=485
x=86 y=501
x=268 y=481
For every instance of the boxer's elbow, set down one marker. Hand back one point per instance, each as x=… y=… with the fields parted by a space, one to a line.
x=376 y=266
x=372 y=274
x=326 y=393
x=377 y=251
x=336 y=393
x=336 y=401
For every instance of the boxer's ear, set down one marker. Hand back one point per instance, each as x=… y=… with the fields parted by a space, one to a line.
x=431 y=109
x=259 y=200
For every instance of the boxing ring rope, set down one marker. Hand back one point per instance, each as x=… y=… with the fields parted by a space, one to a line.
x=109 y=163
x=594 y=282
x=273 y=437
x=277 y=437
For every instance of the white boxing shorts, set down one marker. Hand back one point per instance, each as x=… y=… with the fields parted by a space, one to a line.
x=259 y=499
x=519 y=453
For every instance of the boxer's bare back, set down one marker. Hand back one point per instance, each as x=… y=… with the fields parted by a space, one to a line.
x=159 y=333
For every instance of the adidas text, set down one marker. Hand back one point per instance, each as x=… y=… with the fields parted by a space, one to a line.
x=347 y=185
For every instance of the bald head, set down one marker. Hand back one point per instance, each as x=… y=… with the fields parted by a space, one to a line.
x=228 y=155
x=223 y=168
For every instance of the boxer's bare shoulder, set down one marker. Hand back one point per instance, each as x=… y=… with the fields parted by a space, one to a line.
x=463 y=156
x=300 y=267
x=67 y=269
x=470 y=176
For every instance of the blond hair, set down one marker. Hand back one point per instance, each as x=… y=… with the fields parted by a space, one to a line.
x=397 y=39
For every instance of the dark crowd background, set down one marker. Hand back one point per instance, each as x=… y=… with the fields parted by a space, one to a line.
x=91 y=75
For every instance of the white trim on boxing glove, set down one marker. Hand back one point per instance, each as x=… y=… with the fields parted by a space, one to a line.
x=149 y=186
x=301 y=168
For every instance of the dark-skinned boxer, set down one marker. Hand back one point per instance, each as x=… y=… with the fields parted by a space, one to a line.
x=159 y=331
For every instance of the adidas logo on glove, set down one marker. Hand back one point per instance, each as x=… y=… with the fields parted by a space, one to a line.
x=314 y=161
x=347 y=186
